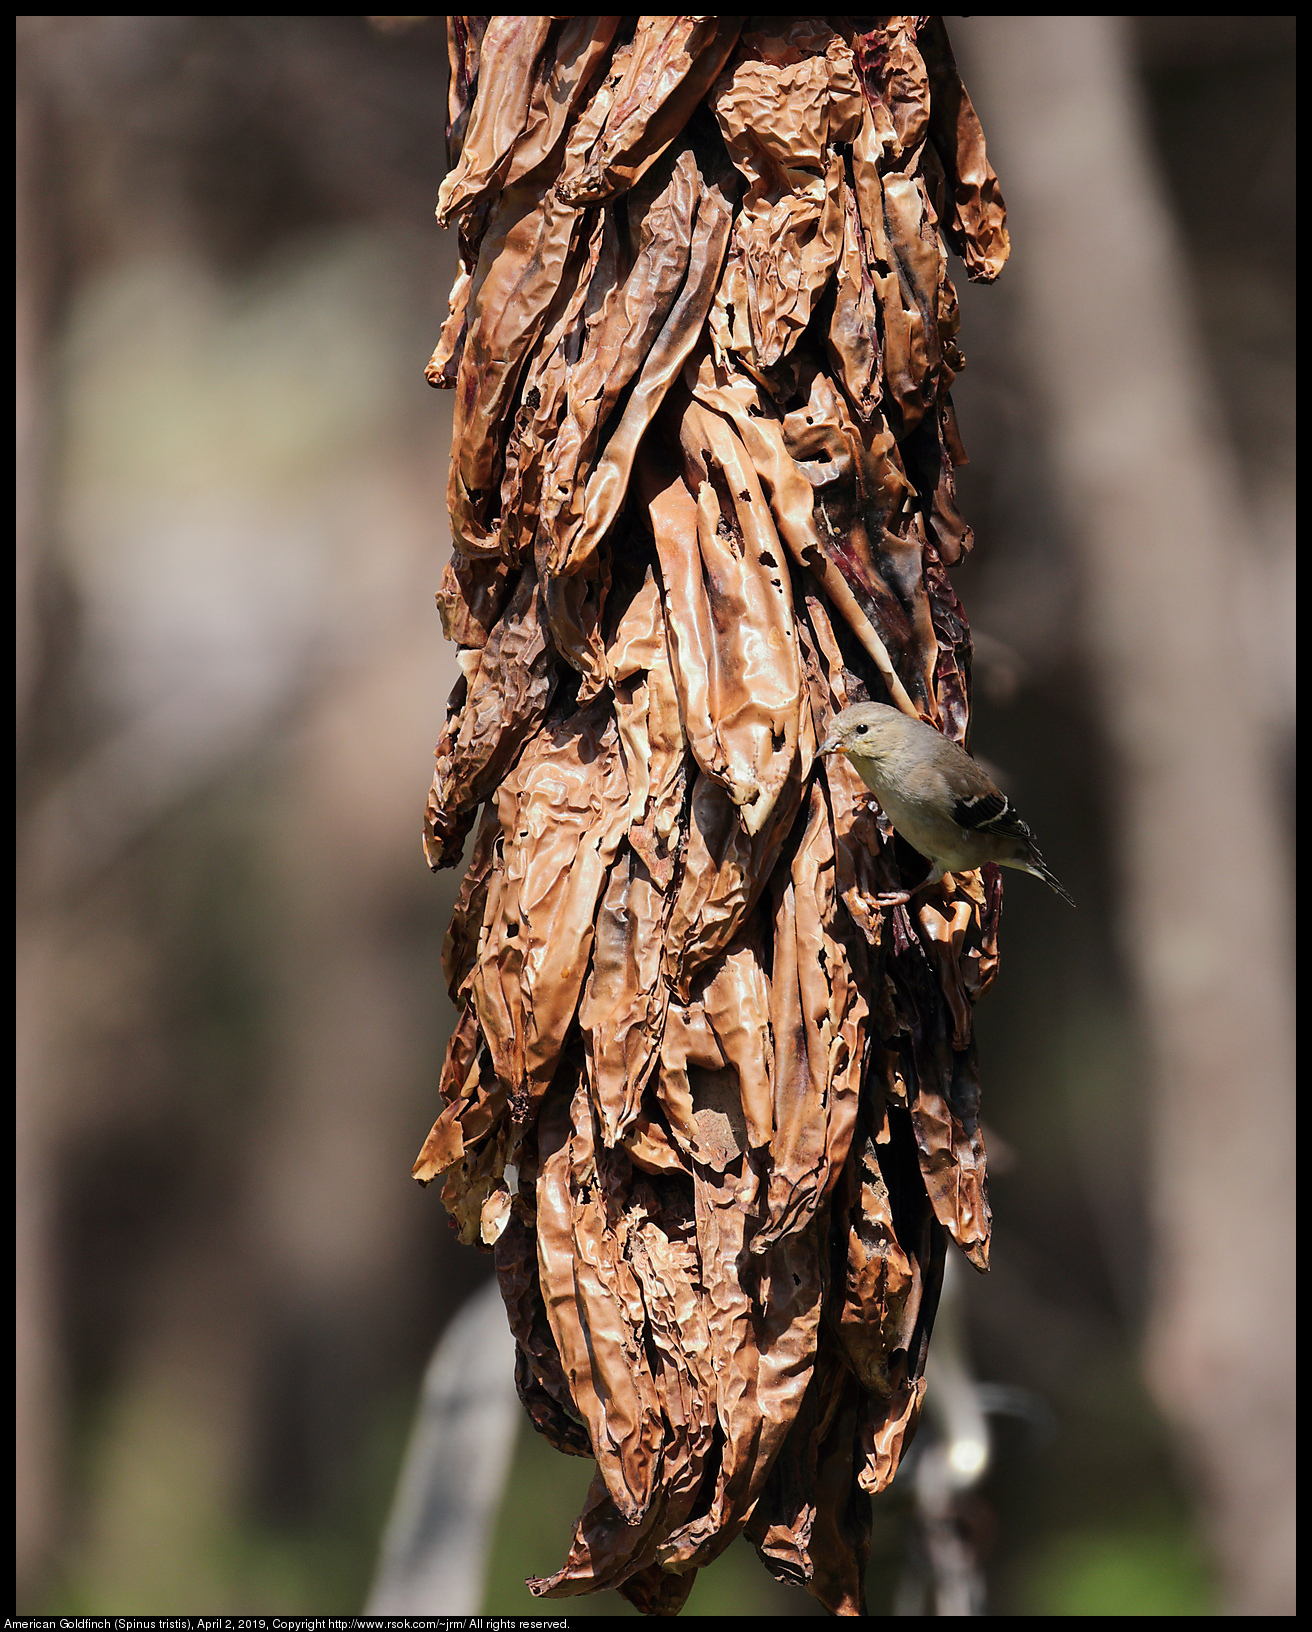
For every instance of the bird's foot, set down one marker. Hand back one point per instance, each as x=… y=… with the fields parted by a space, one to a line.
x=900 y=898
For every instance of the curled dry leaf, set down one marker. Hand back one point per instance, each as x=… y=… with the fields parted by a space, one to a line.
x=711 y=1101
x=655 y=89
x=784 y=107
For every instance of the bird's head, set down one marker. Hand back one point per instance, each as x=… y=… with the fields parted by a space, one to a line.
x=866 y=731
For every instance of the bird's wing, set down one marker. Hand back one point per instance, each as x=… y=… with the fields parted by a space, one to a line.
x=989 y=811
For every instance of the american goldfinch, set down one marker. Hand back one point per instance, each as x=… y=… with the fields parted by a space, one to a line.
x=934 y=794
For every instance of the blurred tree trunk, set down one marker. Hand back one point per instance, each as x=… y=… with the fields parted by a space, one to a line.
x=1153 y=505
x=35 y=1347
x=225 y=1334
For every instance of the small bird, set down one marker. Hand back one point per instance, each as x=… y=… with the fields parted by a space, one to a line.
x=934 y=794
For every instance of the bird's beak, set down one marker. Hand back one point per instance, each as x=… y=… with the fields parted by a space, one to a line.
x=830 y=745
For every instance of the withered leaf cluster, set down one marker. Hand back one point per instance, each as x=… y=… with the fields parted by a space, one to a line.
x=713 y=1107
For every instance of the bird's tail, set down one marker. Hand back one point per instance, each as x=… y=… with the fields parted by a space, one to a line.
x=1039 y=868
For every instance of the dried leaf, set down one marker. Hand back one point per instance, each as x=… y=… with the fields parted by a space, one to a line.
x=655 y=88
x=651 y=735
x=725 y=870
x=810 y=1527
x=444 y=364
x=492 y=715
x=464 y=43
x=597 y=1315
x=853 y=334
x=539 y=1376
x=460 y=949
x=729 y=610
x=522 y=265
x=563 y=813
x=514 y=48
x=716 y=1062
x=802 y=521
x=943 y=1100
x=818 y=1019
x=782 y=121
x=977 y=226
x=632 y=314
x=894 y=76
x=472 y=597
x=622 y=1014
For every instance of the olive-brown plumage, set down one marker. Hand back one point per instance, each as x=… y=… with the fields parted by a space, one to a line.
x=934 y=794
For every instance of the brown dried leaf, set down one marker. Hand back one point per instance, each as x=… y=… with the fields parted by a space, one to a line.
x=594 y=1303
x=657 y=1241
x=523 y=263
x=651 y=736
x=464 y=42
x=728 y=605
x=880 y=1287
x=661 y=216
x=653 y=89
x=606 y=1551
x=474 y=1179
x=818 y=1017
x=977 y=225
x=473 y=596
x=563 y=813
x=510 y=62
x=591 y=272
x=853 y=334
x=536 y=73
x=952 y=536
x=460 y=1073
x=622 y=1014
x=460 y=949
x=943 y=926
x=494 y=712
x=800 y=519
x=724 y=1202
x=887 y=1428
x=955 y=649
x=576 y=548
x=444 y=364
x=574 y=66
x=539 y=1376
x=863 y=522
x=911 y=229
x=943 y=1099
x=895 y=79
x=651 y=1149
x=781 y=121
x=725 y=870
x=811 y=1526
x=716 y=1062
x=763 y=1328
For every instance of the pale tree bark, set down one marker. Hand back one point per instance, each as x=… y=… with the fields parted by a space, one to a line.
x=435 y=1549
x=1153 y=507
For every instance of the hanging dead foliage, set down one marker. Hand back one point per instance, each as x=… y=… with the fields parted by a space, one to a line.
x=712 y=1105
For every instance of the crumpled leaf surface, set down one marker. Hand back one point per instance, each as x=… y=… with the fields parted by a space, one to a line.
x=712 y=1104
x=785 y=104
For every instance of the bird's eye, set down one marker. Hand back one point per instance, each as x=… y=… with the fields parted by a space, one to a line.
x=861 y=730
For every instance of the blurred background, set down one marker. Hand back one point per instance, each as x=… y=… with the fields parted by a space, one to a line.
x=231 y=674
